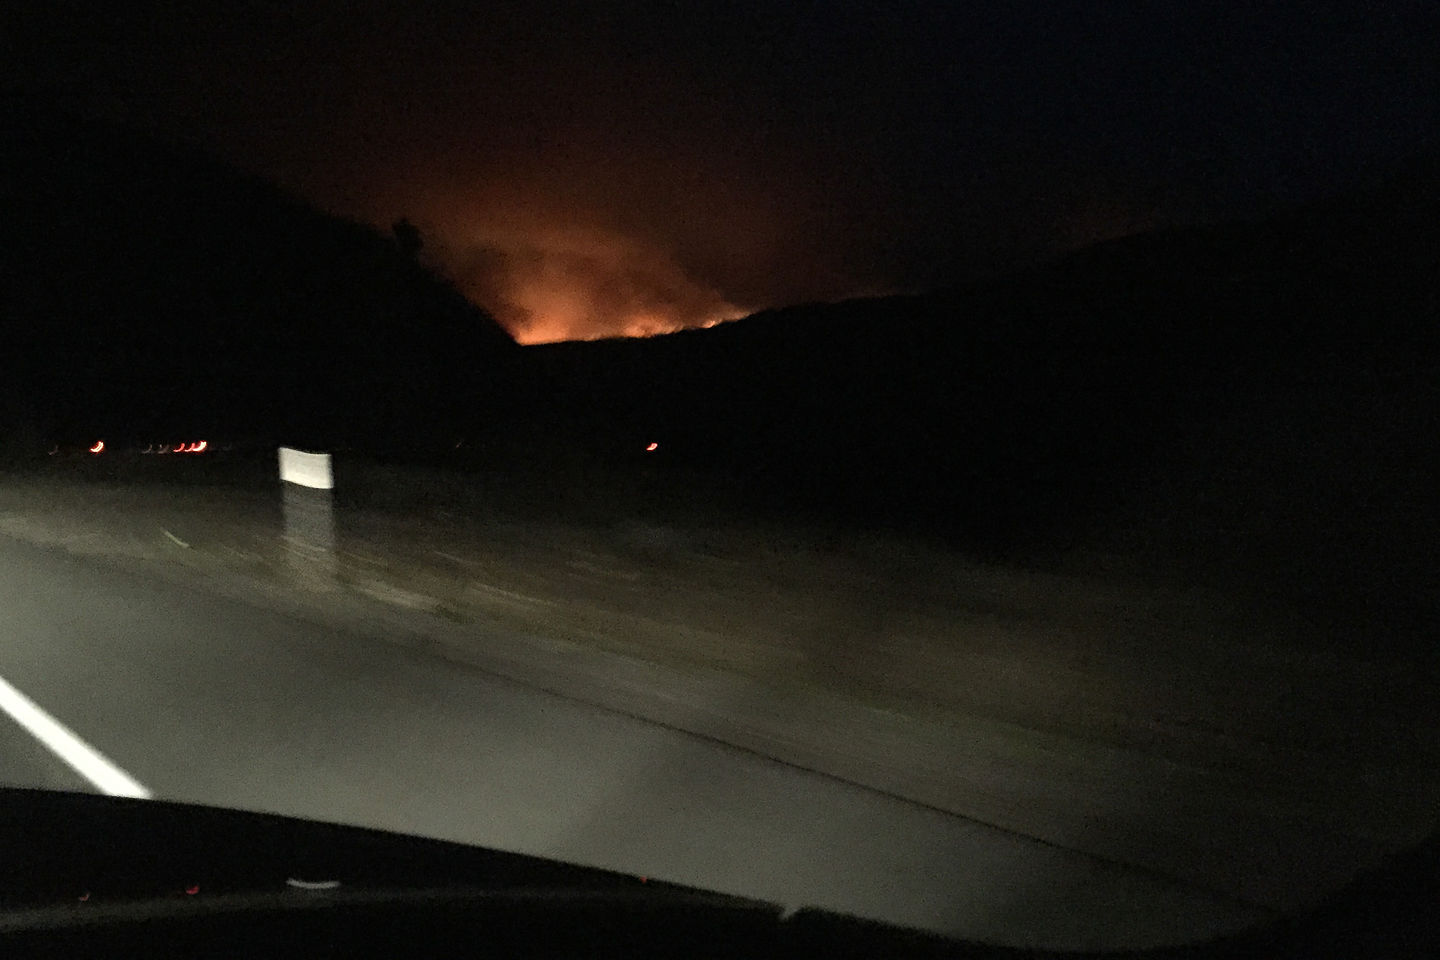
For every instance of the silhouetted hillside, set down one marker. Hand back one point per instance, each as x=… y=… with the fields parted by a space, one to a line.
x=1199 y=378
x=147 y=287
x=1021 y=403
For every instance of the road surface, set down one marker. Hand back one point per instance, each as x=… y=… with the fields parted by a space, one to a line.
x=210 y=700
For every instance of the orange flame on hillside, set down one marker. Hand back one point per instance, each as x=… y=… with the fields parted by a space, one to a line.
x=547 y=284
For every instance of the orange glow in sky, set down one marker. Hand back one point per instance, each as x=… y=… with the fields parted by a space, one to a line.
x=547 y=278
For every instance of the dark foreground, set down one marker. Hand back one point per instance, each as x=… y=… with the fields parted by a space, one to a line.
x=89 y=874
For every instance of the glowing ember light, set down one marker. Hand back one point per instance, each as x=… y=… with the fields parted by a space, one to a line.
x=574 y=282
x=178 y=448
x=200 y=447
x=99 y=446
x=193 y=889
x=651 y=448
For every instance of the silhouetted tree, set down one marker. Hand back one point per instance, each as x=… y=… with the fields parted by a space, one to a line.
x=407 y=237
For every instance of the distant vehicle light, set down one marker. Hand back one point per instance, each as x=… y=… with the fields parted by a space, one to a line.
x=178 y=448
x=99 y=446
x=651 y=448
x=200 y=447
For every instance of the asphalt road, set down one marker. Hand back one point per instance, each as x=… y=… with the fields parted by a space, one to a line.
x=210 y=700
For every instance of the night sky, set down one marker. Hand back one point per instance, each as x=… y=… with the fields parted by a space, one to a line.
x=586 y=169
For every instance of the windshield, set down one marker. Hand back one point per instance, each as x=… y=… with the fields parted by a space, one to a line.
x=965 y=468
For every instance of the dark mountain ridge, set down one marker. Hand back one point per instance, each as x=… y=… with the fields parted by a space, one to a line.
x=145 y=286
x=1025 y=399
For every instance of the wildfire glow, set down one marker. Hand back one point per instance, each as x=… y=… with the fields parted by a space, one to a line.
x=546 y=283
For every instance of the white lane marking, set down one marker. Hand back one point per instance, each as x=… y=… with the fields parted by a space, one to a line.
x=79 y=755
